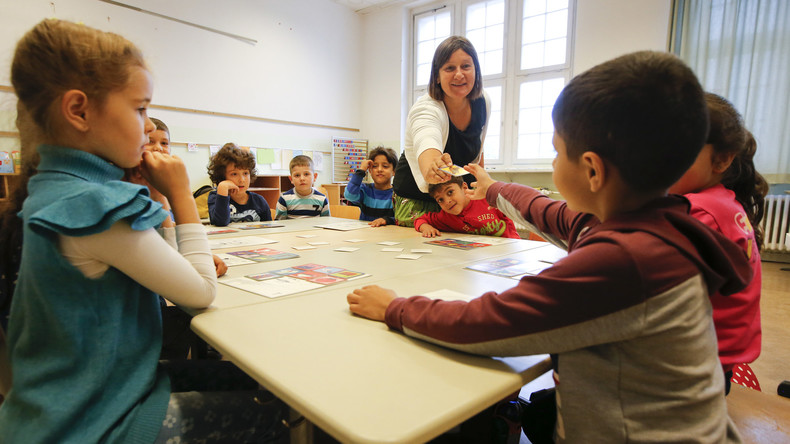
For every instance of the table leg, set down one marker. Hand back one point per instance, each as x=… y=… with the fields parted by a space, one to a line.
x=301 y=429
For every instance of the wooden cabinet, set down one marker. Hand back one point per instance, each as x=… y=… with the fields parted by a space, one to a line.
x=334 y=193
x=270 y=187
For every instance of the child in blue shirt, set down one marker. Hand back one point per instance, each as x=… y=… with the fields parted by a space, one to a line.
x=85 y=332
x=302 y=200
x=231 y=170
x=374 y=200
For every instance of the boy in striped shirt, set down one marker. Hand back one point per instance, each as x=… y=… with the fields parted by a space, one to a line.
x=302 y=200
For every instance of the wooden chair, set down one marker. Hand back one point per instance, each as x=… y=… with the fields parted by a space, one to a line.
x=5 y=367
x=345 y=211
x=759 y=416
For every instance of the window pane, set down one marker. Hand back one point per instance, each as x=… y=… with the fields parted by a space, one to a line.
x=551 y=89
x=478 y=39
x=535 y=128
x=534 y=7
x=493 y=63
x=476 y=16
x=425 y=52
x=557 y=24
x=496 y=13
x=494 y=34
x=528 y=144
x=555 y=52
x=426 y=28
x=423 y=74
x=532 y=56
x=492 y=144
x=431 y=30
x=544 y=21
x=533 y=30
x=553 y=5
x=529 y=121
x=485 y=28
x=443 y=26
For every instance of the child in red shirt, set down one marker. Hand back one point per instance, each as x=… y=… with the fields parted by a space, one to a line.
x=727 y=194
x=460 y=214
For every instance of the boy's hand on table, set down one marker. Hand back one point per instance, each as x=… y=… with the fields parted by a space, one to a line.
x=428 y=230
x=370 y=301
x=378 y=222
x=480 y=187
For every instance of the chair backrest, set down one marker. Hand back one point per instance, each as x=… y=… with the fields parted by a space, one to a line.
x=344 y=211
x=5 y=367
x=202 y=205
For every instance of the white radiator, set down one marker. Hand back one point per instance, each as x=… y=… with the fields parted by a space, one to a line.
x=775 y=224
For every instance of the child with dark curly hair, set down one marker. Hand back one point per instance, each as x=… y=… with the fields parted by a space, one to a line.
x=231 y=170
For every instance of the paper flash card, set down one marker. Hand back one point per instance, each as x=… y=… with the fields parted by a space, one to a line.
x=454 y=170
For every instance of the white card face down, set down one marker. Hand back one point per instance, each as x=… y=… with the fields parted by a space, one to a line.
x=408 y=256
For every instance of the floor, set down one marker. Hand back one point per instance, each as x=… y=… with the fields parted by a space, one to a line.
x=773 y=365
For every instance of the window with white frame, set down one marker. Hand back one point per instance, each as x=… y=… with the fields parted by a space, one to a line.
x=524 y=48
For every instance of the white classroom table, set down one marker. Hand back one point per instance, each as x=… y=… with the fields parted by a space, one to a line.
x=356 y=379
x=369 y=259
x=353 y=377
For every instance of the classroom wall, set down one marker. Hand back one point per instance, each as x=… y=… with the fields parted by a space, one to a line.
x=302 y=68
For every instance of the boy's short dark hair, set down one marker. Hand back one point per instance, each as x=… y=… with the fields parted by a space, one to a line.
x=643 y=112
x=301 y=160
x=392 y=158
x=160 y=125
x=437 y=187
x=230 y=153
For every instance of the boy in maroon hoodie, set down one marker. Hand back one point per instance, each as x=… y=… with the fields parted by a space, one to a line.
x=626 y=315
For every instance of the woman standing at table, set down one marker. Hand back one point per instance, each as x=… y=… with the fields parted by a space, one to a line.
x=445 y=126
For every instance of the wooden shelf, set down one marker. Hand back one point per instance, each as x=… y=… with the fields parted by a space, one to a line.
x=335 y=192
x=270 y=187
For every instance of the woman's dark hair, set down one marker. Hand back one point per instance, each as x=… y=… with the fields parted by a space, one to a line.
x=728 y=135
x=230 y=153
x=443 y=53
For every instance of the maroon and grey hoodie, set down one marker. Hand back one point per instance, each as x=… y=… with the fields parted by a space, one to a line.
x=626 y=317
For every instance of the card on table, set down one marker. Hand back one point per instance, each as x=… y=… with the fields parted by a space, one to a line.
x=345 y=226
x=292 y=280
x=257 y=225
x=457 y=243
x=257 y=255
x=227 y=242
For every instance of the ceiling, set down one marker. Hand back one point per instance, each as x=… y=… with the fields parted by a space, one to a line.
x=365 y=6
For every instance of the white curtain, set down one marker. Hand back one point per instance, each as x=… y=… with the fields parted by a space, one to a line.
x=740 y=49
